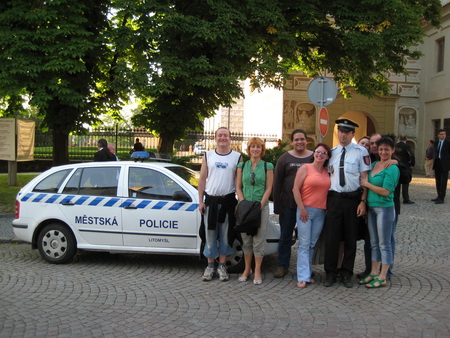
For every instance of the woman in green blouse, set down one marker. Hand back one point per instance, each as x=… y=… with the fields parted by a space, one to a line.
x=254 y=179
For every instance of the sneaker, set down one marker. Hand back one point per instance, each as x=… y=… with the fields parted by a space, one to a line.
x=280 y=272
x=223 y=274
x=208 y=274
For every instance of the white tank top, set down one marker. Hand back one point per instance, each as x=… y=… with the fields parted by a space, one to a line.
x=221 y=178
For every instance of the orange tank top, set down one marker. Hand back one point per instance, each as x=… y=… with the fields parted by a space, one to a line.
x=315 y=188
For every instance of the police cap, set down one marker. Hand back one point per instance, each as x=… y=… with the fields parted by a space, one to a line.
x=346 y=125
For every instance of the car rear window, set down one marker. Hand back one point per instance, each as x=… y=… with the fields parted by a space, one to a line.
x=53 y=182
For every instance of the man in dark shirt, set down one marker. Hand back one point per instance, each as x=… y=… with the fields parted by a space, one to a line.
x=405 y=155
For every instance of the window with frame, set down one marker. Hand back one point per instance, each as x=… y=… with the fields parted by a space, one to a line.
x=94 y=181
x=53 y=182
x=440 y=54
x=151 y=184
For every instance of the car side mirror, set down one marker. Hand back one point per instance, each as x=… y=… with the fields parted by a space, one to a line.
x=181 y=195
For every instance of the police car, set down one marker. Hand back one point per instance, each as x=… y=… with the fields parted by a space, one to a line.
x=116 y=207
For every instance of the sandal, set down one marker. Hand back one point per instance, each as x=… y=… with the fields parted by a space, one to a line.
x=301 y=284
x=366 y=280
x=376 y=283
x=242 y=279
x=311 y=281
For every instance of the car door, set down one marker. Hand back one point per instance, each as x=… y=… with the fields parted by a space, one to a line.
x=91 y=205
x=160 y=214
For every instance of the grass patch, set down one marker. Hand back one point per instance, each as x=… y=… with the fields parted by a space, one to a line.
x=8 y=193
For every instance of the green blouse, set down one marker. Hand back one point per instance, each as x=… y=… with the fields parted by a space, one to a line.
x=386 y=178
x=254 y=192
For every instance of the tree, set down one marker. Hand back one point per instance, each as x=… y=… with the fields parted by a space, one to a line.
x=56 y=52
x=183 y=59
x=195 y=52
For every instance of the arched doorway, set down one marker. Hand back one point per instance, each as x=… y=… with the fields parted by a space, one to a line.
x=365 y=122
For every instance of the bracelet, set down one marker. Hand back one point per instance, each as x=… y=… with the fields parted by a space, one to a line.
x=364 y=201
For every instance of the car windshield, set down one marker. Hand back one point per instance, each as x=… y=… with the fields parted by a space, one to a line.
x=186 y=174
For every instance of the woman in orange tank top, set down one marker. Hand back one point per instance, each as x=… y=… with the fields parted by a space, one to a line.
x=311 y=186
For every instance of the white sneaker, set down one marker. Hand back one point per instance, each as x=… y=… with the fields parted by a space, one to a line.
x=208 y=274
x=223 y=273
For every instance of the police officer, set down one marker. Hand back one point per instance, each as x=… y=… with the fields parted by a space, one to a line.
x=346 y=202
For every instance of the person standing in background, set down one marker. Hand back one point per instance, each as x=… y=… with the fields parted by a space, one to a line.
x=429 y=159
x=405 y=155
x=103 y=154
x=112 y=149
x=283 y=198
x=138 y=146
x=441 y=166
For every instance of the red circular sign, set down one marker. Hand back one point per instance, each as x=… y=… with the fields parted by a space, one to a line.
x=323 y=121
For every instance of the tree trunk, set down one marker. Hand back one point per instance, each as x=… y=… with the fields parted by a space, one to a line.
x=60 y=147
x=165 y=144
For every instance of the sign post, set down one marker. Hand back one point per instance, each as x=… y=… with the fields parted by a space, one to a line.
x=322 y=91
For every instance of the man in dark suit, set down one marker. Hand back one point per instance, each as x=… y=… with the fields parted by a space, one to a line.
x=441 y=166
x=405 y=155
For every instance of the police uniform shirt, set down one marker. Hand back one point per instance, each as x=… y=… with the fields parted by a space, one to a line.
x=357 y=160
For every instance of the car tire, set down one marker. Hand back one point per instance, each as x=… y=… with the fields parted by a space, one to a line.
x=235 y=262
x=57 y=244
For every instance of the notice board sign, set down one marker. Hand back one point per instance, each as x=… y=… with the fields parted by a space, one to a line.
x=16 y=140
x=25 y=140
x=8 y=139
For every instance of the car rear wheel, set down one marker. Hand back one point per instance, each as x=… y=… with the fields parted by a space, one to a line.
x=56 y=243
x=235 y=262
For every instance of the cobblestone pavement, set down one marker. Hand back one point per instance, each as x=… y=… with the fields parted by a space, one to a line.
x=153 y=295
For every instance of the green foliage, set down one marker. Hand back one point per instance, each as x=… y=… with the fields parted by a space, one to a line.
x=8 y=193
x=183 y=59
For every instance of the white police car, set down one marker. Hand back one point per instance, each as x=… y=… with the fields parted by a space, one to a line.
x=116 y=207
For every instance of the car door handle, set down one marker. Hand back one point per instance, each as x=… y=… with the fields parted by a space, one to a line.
x=130 y=207
x=68 y=203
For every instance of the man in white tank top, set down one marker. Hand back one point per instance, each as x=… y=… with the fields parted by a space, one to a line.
x=216 y=192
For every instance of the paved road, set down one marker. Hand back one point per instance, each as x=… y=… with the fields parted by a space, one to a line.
x=152 y=295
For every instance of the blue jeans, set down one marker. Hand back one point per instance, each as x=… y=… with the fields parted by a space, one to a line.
x=214 y=248
x=394 y=228
x=381 y=222
x=287 y=224
x=308 y=234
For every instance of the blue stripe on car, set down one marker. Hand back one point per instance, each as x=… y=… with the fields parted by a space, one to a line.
x=107 y=202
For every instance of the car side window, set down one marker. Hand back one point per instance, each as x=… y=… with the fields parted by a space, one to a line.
x=53 y=182
x=99 y=181
x=151 y=184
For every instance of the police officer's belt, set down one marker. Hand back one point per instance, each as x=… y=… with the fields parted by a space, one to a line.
x=353 y=194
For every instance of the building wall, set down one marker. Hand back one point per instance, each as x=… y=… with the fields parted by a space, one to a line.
x=435 y=85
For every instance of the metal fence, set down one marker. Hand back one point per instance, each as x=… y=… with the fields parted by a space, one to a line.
x=83 y=146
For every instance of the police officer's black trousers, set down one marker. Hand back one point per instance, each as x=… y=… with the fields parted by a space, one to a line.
x=341 y=225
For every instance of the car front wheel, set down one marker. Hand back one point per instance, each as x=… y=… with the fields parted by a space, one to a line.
x=56 y=243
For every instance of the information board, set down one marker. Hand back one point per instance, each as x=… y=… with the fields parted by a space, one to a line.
x=8 y=139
